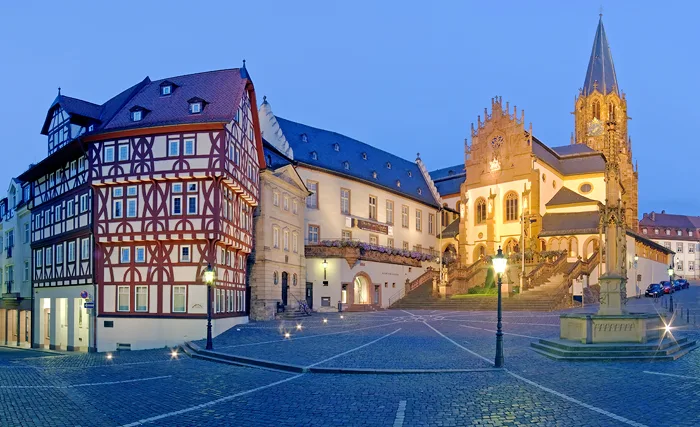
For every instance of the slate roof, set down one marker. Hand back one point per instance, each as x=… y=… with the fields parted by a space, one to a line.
x=556 y=224
x=567 y=150
x=670 y=220
x=448 y=180
x=566 y=196
x=273 y=158
x=452 y=230
x=322 y=142
x=601 y=70
x=570 y=164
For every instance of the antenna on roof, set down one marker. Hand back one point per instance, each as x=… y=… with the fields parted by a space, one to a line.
x=59 y=90
x=244 y=63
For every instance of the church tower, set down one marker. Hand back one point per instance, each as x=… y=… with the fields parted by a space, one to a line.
x=599 y=103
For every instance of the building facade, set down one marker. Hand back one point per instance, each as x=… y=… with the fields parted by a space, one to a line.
x=278 y=273
x=137 y=197
x=371 y=222
x=679 y=233
x=15 y=267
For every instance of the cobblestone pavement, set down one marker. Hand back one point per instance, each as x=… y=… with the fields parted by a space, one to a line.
x=156 y=389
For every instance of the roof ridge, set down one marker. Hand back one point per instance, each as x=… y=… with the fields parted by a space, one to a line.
x=196 y=74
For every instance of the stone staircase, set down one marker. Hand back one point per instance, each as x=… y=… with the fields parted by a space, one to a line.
x=667 y=350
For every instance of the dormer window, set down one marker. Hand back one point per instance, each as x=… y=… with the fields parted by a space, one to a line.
x=364 y=156
x=388 y=165
x=420 y=191
x=450 y=173
x=196 y=105
x=304 y=138
x=398 y=183
x=166 y=90
x=91 y=128
x=137 y=113
x=314 y=155
x=336 y=146
x=346 y=165
x=374 y=174
x=410 y=174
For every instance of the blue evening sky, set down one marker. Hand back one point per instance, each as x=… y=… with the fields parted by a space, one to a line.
x=404 y=76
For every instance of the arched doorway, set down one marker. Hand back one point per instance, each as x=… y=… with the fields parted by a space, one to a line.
x=591 y=245
x=479 y=252
x=361 y=290
x=511 y=247
x=285 y=287
x=449 y=254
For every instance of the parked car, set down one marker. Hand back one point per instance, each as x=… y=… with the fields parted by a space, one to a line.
x=683 y=283
x=677 y=285
x=667 y=287
x=654 y=290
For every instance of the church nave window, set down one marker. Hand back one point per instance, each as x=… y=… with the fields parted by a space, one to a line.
x=611 y=112
x=596 y=110
x=480 y=211
x=511 y=207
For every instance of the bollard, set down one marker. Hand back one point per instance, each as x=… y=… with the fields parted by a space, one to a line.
x=670 y=304
x=687 y=315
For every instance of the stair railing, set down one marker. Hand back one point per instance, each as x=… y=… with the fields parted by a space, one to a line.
x=544 y=270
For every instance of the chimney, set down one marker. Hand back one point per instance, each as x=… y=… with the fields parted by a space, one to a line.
x=663 y=211
x=653 y=216
x=645 y=216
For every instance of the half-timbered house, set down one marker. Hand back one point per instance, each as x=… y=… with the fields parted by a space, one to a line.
x=165 y=184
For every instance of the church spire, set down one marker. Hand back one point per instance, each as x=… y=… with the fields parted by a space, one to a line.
x=600 y=75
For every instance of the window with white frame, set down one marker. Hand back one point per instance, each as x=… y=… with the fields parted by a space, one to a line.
x=59 y=253
x=345 y=201
x=275 y=237
x=26 y=271
x=141 y=298
x=314 y=232
x=373 y=207
x=285 y=203
x=192 y=187
x=71 y=251
x=419 y=220
x=123 y=152
x=49 y=255
x=123 y=298
x=117 y=208
x=389 y=212
x=140 y=254
x=346 y=235
x=85 y=248
x=668 y=232
x=177 y=187
x=125 y=255
x=431 y=224
x=189 y=147
x=217 y=301
x=691 y=265
x=691 y=248
x=680 y=233
x=191 y=205
x=185 y=254
x=295 y=242
x=83 y=203
x=109 y=154
x=679 y=248
x=285 y=240
x=679 y=265
x=275 y=198
x=81 y=164
x=39 y=258
x=312 y=200
x=404 y=216
x=70 y=208
x=132 y=191
x=27 y=235
x=295 y=207
x=177 y=205
x=173 y=148
x=179 y=296
x=131 y=208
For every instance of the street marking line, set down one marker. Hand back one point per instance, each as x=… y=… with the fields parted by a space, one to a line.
x=505 y=333
x=672 y=375
x=505 y=323
x=400 y=414
x=208 y=404
x=490 y=362
x=306 y=337
x=353 y=349
x=410 y=314
x=87 y=384
x=578 y=402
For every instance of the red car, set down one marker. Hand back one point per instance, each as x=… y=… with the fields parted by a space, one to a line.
x=668 y=287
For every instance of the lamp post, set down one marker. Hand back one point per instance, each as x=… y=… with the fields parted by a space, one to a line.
x=209 y=278
x=499 y=267
x=325 y=267
x=670 y=283
x=636 y=276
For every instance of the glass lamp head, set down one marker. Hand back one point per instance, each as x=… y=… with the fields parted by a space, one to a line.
x=670 y=270
x=324 y=264
x=209 y=275
x=499 y=262
x=636 y=257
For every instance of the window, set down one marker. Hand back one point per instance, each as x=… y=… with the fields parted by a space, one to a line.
x=142 y=298
x=191 y=205
x=286 y=203
x=166 y=90
x=345 y=201
x=346 y=235
x=125 y=256
x=109 y=154
x=644 y=230
x=680 y=233
x=132 y=191
x=49 y=255
x=285 y=240
x=304 y=138
x=123 y=303
x=70 y=209
x=173 y=148
x=389 y=212
x=679 y=248
x=511 y=207
x=431 y=224
x=295 y=242
x=123 y=152
x=275 y=237
x=192 y=187
x=656 y=231
x=690 y=233
x=404 y=216
x=388 y=165
x=81 y=164
x=185 y=254
x=26 y=271
x=373 y=239
x=596 y=110
x=405 y=246
x=83 y=203
x=189 y=147
x=140 y=254
x=276 y=198
x=346 y=165
x=117 y=209
x=179 y=299
x=314 y=155
x=668 y=232
x=59 y=254
x=691 y=248
x=679 y=265
x=117 y=192
x=419 y=220
x=26 y=232
x=336 y=146
x=71 y=251
x=585 y=188
x=295 y=207
x=177 y=188
x=312 y=200
x=313 y=233
x=38 y=258
x=390 y=242
x=611 y=111
x=667 y=245
x=85 y=248
x=480 y=211
x=691 y=265
x=195 y=107
x=373 y=207
x=177 y=205
x=131 y=208
x=136 y=116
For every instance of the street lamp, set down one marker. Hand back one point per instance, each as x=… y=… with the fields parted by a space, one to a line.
x=325 y=267
x=636 y=276
x=670 y=283
x=499 y=267
x=209 y=278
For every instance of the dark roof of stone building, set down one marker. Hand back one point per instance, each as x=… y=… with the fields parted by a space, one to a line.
x=567 y=196
x=556 y=224
x=273 y=157
x=574 y=162
x=600 y=75
x=452 y=230
x=448 y=180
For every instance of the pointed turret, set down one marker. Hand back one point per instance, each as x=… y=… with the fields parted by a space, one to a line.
x=601 y=71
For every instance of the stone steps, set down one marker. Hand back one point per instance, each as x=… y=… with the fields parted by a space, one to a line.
x=573 y=351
